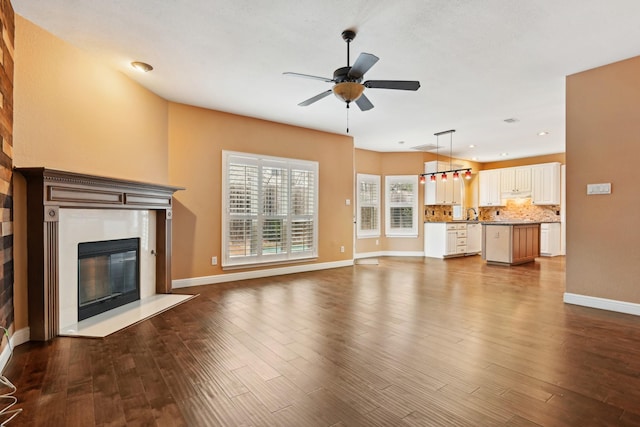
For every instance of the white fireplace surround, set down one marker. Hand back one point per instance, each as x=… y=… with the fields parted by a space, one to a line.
x=91 y=225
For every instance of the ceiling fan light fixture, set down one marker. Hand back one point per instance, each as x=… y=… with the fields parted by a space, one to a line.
x=348 y=91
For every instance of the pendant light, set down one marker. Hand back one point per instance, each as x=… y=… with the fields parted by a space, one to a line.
x=443 y=175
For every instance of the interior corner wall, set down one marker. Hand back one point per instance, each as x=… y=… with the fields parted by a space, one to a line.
x=75 y=113
x=368 y=162
x=197 y=138
x=383 y=164
x=603 y=131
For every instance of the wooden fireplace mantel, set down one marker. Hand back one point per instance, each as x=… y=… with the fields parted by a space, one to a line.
x=49 y=190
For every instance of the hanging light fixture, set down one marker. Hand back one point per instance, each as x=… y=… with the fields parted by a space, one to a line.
x=443 y=174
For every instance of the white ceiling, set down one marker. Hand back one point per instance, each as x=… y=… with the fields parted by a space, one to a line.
x=479 y=62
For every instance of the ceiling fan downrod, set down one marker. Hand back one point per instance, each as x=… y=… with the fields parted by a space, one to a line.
x=348 y=36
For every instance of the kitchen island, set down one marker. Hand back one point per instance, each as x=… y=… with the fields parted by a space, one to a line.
x=510 y=243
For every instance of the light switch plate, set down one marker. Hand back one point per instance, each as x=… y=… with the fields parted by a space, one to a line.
x=602 y=188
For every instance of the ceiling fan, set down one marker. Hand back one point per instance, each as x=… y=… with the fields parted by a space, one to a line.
x=348 y=80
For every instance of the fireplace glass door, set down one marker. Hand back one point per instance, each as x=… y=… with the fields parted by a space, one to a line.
x=108 y=275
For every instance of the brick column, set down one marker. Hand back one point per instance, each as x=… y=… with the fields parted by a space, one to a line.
x=6 y=162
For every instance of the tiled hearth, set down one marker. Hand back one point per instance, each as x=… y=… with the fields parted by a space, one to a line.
x=64 y=209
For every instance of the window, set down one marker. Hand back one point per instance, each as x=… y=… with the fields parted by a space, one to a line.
x=401 y=200
x=368 y=216
x=270 y=209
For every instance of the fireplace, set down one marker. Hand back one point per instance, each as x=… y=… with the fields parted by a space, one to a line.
x=108 y=275
x=65 y=209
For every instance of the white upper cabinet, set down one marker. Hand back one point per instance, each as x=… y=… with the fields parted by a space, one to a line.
x=441 y=192
x=490 y=188
x=545 y=184
x=540 y=182
x=515 y=182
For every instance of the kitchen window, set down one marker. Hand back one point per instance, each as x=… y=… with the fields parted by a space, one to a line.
x=270 y=209
x=401 y=206
x=368 y=216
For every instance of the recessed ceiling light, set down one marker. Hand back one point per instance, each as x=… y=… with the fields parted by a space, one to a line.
x=400 y=142
x=543 y=133
x=474 y=158
x=504 y=154
x=472 y=146
x=511 y=120
x=141 y=66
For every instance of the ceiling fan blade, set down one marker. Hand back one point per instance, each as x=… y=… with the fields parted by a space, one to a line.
x=364 y=62
x=363 y=103
x=307 y=76
x=313 y=99
x=392 y=84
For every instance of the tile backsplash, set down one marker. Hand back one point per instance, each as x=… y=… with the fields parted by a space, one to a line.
x=514 y=210
x=520 y=209
x=440 y=213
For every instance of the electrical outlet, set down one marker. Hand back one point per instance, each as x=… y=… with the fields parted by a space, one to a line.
x=377 y=242
x=214 y=260
x=342 y=249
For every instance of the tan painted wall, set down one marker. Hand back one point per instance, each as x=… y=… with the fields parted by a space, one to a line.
x=76 y=114
x=369 y=162
x=73 y=113
x=196 y=140
x=525 y=161
x=384 y=164
x=404 y=164
x=603 y=130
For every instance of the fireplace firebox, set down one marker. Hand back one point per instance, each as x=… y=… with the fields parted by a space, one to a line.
x=108 y=275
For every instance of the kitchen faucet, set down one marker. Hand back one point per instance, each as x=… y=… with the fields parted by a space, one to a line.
x=475 y=213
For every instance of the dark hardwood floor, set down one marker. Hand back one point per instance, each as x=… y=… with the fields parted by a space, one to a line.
x=410 y=342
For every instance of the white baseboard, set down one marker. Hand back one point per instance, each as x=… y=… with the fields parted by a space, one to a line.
x=256 y=274
x=20 y=337
x=602 y=303
x=368 y=255
x=388 y=253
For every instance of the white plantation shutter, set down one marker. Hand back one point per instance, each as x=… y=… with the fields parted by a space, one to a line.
x=270 y=209
x=401 y=200
x=368 y=209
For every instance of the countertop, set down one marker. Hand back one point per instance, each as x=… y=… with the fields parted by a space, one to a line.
x=506 y=222
x=511 y=223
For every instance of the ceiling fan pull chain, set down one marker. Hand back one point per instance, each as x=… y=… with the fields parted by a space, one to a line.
x=348 y=117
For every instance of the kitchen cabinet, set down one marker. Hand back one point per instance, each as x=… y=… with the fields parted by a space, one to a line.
x=510 y=243
x=545 y=184
x=474 y=238
x=515 y=182
x=441 y=192
x=489 y=188
x=445 y=239
x=550 y=239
